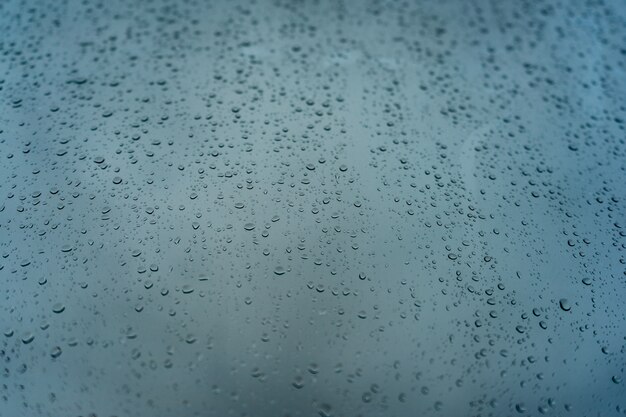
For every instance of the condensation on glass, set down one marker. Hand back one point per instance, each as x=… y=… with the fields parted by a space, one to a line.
x=312 y=208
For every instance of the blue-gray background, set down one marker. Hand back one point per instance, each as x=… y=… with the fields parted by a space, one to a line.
x=301 y=208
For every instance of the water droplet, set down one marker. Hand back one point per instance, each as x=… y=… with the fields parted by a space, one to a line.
x=56 y=352
x=28 y=338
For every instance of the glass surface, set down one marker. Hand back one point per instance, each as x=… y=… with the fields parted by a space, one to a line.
x=312 y=208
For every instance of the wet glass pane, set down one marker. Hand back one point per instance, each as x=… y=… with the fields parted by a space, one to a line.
x=312 y=208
